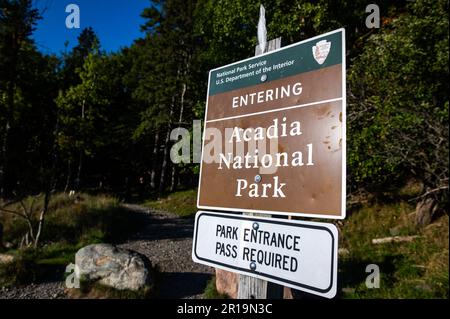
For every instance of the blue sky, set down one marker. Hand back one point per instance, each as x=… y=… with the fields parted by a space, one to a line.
x=116 y=22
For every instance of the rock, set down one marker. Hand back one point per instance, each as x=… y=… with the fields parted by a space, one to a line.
x=114 y=267
x=6 y=259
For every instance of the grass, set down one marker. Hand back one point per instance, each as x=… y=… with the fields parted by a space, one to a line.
x=70 y=224
x=35 y=265
x=83 y=220
x=211 y=290
x=417 y=269
x=183 y=203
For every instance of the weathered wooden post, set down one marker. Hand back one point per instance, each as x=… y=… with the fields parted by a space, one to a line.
x=249 y=287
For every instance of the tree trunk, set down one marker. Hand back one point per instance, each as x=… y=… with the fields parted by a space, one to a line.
x=174 y=180
x=6 y=186
x=48 y=184
x=80 y=154
x=42 y=217
x=3 y=158
x=162 y=180
x=425 y=211
x=80 y=167
x=69 y=175
x=155 y=161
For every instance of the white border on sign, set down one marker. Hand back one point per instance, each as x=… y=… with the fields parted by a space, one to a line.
x=344 y=137
x=331 y=293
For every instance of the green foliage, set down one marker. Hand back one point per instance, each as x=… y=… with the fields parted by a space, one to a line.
x=211 y=291
x=111 y=114
x=28 y=84
x=399 y=103
x=32 y=265
x=182 y=203
x=82 y=109
x=88 y=43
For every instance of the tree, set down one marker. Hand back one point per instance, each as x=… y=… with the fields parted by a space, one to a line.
x=81 y=107
x=17 y=22
x=165 y=85
x=399 y=104
x=88 y=42
x=74 y=62
x=28 y=82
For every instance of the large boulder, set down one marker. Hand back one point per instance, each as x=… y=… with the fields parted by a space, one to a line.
x=114 y=267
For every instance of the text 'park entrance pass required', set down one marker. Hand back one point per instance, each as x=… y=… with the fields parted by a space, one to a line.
x=275 y=133
x=301 y=255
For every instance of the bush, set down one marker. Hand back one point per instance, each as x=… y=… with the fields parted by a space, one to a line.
x=399 y=103
x=211 y=290
x=22 y=270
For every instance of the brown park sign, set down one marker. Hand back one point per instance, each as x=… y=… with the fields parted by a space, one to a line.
x=275 y=135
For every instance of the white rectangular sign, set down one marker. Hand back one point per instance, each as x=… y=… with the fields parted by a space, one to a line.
x=301 y=255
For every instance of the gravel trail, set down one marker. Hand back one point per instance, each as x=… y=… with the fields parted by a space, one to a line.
x=166 y=240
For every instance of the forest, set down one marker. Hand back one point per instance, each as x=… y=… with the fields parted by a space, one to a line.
x=88 y=120
x=101 y=123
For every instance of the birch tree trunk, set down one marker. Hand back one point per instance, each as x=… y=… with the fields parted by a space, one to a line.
x=155 y=161
x=174 y=180
x=162 y=180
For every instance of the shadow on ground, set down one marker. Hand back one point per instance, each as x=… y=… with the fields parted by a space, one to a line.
x=183 y=285
x=158 y=226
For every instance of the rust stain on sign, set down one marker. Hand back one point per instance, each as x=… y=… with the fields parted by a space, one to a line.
x=281 y=140
x=310 y=189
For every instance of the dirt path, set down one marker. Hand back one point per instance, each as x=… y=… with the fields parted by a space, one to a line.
x=166 y=240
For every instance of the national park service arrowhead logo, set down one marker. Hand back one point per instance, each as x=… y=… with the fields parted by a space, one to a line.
x=321 y=50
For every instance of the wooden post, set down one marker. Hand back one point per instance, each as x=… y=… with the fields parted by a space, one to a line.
x=249 y=287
